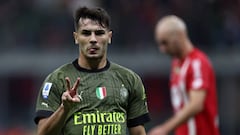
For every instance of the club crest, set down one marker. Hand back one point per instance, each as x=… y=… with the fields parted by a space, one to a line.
x=123 y=93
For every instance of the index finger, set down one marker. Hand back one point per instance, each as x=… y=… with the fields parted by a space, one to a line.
x=76 y=84
x=68 y=83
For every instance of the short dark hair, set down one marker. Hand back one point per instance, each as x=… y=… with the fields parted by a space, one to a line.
x=96 y=14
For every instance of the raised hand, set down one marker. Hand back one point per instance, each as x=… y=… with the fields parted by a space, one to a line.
x=70 y=96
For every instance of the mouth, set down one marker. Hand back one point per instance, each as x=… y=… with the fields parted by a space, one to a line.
x=93 y=50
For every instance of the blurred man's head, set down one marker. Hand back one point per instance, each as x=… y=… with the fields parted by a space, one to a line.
x=171 y=35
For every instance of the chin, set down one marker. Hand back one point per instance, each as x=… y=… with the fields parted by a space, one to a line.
x=94 y=57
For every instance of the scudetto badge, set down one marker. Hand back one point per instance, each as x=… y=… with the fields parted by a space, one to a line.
x=101 y=92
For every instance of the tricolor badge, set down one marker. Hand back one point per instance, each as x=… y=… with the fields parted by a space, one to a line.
x=101 y=92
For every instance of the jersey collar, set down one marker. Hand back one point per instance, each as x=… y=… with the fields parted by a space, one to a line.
x=77 y=66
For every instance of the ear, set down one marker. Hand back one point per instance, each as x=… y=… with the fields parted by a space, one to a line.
x=75 y=37
x=110 y=37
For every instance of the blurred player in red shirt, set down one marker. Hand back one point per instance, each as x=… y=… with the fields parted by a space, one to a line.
x=192 y=83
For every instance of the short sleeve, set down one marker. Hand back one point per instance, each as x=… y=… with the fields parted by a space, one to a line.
x=137 y=112
x=49 y=97
x=198 y=78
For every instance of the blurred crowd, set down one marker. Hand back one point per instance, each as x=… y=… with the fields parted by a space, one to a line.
x=44 y=24
x=210 y=22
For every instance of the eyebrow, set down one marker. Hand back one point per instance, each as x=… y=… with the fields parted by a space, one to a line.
x=87 y=30
x=98 y=32
x=163 y=42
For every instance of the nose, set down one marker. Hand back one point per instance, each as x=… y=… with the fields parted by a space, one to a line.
x=93 y=39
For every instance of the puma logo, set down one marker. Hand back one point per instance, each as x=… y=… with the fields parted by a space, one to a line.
x=80 y=95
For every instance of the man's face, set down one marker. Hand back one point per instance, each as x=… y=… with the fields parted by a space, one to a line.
x=92 y=38
x=167 y=42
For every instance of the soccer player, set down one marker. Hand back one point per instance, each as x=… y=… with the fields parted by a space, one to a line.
x=105 y=98
x=192 y=83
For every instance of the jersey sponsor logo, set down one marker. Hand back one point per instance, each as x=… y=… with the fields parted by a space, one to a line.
x=100 y=123
x=101 y=92
x=46 y=89
x=103 y=129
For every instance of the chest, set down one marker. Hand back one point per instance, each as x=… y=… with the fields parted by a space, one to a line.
x=178 y=82
x=102 y=108
x=104 y=92
x=180 y=72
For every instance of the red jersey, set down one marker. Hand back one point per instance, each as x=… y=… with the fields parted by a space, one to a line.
x=195 y=73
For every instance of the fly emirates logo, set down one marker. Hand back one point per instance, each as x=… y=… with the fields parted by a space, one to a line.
x=107 y=123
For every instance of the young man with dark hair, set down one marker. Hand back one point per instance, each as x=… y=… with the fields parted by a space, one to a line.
x=105 y=99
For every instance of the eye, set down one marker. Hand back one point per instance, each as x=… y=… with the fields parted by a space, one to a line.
x=163 y=42
x=86 y=32
x=99 y=32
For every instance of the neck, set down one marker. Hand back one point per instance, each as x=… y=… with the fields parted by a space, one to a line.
x=91 y=64
x=187 y=48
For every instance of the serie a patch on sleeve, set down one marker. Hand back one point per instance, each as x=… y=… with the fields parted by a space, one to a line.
x=46 y=89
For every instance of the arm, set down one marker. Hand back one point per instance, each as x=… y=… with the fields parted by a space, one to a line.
x=137 y=110
x=195 y=105
x=138 y=130
x=54 y=124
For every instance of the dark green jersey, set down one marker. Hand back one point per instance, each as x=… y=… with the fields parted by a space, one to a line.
x=111 y=99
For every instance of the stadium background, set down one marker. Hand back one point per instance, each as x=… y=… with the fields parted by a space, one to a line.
x=36 y=37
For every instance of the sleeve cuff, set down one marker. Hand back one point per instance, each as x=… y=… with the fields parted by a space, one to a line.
x=138 y=121
x=42 y=114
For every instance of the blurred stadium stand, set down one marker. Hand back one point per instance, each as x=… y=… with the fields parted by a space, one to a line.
x=36 y=37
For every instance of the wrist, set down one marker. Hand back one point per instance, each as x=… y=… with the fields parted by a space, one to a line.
x=167 y=128
x=64 y=108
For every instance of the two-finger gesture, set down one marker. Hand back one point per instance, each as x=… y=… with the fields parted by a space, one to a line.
x=70 y=96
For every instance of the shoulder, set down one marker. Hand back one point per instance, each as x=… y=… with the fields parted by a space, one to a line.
x=200 y=61
x=199 y=56
x=60 y=71
x=121 y=69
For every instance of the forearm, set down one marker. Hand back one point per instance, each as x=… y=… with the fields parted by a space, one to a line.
x=138 y=130
x=182 y=116
x=194 y=106
x=53 y=124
